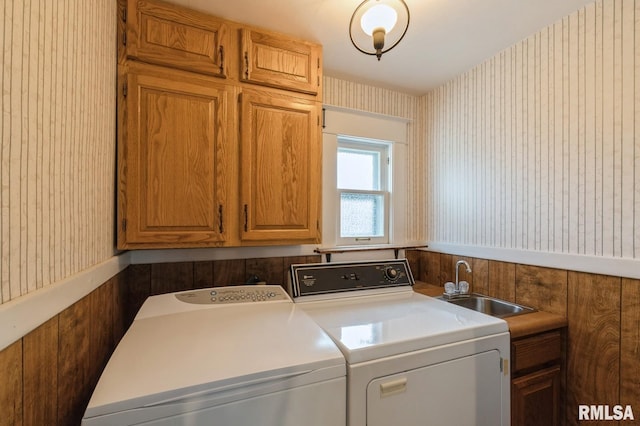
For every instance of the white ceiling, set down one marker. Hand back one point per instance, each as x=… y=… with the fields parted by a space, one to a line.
x=445 y=37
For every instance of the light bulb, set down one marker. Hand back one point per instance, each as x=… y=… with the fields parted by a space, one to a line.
x=379 y=16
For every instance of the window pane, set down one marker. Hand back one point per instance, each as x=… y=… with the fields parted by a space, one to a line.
x=361 y=215
x=358 y=169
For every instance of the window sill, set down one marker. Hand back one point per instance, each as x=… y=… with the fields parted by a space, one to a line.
x=328 y=251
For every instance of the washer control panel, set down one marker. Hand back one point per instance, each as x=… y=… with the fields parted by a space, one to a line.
x=234 y=294
x=325 y=278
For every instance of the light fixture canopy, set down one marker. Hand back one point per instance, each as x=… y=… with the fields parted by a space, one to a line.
x=377 y=26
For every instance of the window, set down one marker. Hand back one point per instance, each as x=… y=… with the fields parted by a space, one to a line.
x=363 y=190
x=364 y=180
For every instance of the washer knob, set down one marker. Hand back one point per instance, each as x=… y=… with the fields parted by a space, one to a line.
x=391 y=273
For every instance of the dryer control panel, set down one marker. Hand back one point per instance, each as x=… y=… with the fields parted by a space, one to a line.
x=327 y=278
x=234 y=294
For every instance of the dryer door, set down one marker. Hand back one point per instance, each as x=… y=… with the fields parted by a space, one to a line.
x=463 y=391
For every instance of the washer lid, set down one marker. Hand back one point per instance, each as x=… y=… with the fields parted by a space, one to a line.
x=169 y=358
x=373 y=327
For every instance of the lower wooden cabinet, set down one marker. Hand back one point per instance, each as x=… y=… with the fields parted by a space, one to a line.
x=536 y=397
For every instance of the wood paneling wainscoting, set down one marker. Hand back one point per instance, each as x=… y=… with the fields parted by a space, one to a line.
x=603 y=315
x=47 y=377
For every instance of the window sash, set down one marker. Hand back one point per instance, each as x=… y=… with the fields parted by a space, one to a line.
x=381 y=174
x=365 y=239
x=374 y=180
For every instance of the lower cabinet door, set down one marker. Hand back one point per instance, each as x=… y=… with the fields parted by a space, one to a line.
x=534 y=398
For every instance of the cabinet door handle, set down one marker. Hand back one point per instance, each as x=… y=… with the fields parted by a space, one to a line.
x=246 y=65
x=221 y=50
x=220 y=225
x=246 y=218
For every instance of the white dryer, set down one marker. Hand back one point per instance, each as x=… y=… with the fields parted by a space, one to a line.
x=411 y=359
x=228 y=356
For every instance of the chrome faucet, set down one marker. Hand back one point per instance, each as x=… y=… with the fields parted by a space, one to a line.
x=459 y=288
x=458 y=263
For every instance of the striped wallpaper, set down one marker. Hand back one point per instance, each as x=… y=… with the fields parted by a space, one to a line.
x=538 y=148
x=363 y=97
x=58 y=140
x=534 y=149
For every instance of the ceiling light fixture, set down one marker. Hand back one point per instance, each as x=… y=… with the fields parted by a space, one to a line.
x=384 y=21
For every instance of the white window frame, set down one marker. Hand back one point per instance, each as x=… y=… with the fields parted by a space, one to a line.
x=358 y=124
x=383 y=148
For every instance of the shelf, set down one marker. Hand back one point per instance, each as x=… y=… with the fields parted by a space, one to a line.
x=328 y=251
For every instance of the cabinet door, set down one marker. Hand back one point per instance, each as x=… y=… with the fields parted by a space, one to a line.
x=172 y=160
x=280 y=61
x=170 y=35
x=535 y=398
x=280 y=168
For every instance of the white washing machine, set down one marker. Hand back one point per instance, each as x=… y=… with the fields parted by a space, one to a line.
x=228 y=356
x=411 y=359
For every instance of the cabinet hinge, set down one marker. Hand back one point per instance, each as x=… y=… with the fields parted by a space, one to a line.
x=124 y=14
x=124 y=225
x=124 y=38
x=125 y=89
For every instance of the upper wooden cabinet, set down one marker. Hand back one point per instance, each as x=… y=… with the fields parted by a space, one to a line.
x=162 y=33
x=207 y=155
x=279 y=61
x=280 y=168
x=165 y=34
x=173 y=159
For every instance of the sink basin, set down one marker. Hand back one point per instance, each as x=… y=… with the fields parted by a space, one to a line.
x=489 y=305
